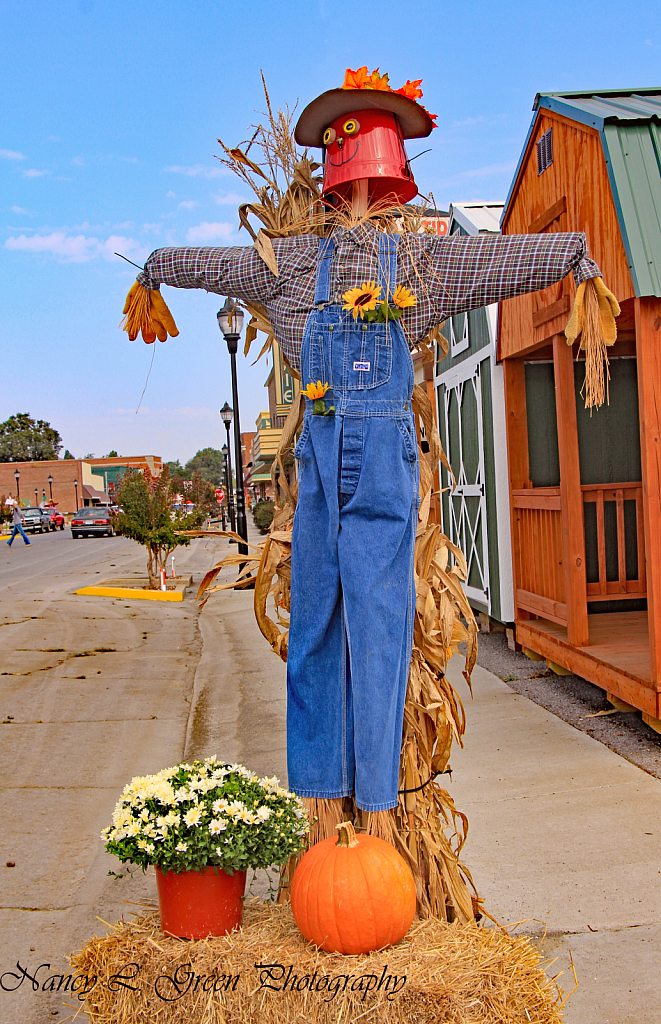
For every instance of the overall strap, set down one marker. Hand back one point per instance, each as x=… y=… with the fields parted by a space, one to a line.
x=324 y=258
x=387 y=264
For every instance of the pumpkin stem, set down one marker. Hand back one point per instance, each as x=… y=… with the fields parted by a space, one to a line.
x=347 y=836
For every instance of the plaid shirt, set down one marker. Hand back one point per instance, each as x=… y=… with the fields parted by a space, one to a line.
x=446 y=275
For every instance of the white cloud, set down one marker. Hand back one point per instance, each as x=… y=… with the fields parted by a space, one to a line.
x=19 y=209
x=198 y=171
x=153 y=229
x=34 y=173
x=170 y=195
x=126 y=226
x=11 y=154
x=188 y=204
x=78 y=161
x=78 y=248
x=204 y=233
x=230 y=199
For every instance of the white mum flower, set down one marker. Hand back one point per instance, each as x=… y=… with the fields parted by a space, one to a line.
x=133 y=829
x=192 y=817
x=263 y=813
x=181 y=847
x=216 y=826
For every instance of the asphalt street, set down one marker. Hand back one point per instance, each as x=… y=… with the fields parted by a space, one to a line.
x=92 y=692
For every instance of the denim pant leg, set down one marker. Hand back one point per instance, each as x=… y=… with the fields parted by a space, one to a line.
x=319 y=719
x=17 y=529
x=375 y=546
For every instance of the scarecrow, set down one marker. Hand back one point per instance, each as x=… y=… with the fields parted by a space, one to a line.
x=347 y=305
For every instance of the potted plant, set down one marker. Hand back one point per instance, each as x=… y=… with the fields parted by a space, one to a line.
x=202 y=825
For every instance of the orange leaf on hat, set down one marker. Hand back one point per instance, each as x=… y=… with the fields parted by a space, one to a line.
x=355 y=79
x=377 y=81
x=411 y=89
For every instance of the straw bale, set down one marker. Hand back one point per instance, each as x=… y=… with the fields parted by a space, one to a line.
x=445 y=973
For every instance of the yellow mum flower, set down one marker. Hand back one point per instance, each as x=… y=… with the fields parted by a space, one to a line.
x=358 y=300
x=403 y=298
x=314 y=391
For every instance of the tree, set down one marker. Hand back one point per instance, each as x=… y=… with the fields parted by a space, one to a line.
x=112 y=454
x=23 y=439
x=68 y=455
x=148 y=519
x=208 y=463
x=175 y=468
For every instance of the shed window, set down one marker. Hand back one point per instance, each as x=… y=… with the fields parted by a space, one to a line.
x=545 y=151
x=459 y=340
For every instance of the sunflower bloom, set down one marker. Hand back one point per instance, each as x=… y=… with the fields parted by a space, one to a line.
x=314 y=391
x=403 y=298
x=359 y=300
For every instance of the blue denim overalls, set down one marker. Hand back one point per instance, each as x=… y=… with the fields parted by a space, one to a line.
x=352 y=592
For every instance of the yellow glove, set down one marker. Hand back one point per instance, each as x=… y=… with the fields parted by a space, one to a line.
x=147 y=311
x=609 y=308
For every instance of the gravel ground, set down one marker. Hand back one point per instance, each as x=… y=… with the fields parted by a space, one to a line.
x=574 y=700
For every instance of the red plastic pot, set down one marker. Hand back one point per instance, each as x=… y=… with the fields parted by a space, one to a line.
x=195 y=904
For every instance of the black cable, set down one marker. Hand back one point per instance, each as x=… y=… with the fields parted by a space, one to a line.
x=447 y=771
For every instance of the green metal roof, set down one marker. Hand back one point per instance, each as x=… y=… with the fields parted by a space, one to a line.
x=629 y=122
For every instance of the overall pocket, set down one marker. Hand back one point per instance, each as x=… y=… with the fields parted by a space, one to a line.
x=300 y=444
x=407 y=430
x=367 y=356
x=315 y=368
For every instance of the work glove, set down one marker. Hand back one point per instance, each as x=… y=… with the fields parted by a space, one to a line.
x=146 y=311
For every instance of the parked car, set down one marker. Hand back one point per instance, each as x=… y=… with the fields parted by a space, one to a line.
x=35 y=520
x=90 y=522
x=56 y=518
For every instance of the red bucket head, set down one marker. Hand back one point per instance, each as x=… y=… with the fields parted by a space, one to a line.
x=367 y=144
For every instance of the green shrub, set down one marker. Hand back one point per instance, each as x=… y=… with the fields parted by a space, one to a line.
x=262 y=515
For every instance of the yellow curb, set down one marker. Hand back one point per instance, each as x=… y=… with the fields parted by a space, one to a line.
x=131 y=594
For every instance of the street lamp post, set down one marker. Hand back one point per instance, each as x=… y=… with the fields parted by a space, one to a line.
x=36 y=496
x=75 y=483
x=230 y=321
x=17 y=477
x=226 y=414
x=50 y=486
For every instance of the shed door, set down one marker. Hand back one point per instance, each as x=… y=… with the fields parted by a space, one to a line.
x=464 y=436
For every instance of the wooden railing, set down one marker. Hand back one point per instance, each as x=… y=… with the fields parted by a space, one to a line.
x=619 y=588
x=540 y=576
x=539 y=567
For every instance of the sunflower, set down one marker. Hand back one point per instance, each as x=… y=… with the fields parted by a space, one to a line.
x=358 y=300
x=314 y=391
x=403 y=298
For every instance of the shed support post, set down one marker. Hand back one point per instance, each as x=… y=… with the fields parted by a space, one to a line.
x=648 y=352
x=573 y=531
x=516 y=420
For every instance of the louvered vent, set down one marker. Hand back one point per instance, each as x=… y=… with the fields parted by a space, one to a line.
x=545 y=151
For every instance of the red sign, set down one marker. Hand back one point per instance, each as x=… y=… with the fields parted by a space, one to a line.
x=219 y=493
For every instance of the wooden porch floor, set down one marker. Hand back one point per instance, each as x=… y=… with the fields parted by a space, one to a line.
x=617 y=658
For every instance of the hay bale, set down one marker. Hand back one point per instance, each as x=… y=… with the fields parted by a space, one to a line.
x=459 y=974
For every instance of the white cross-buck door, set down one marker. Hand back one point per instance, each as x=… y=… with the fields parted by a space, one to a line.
x=461 y=408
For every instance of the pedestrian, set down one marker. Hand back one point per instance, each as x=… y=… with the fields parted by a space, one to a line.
x=17 y=522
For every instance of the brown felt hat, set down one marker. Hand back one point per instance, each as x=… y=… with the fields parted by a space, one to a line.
x=414 y=120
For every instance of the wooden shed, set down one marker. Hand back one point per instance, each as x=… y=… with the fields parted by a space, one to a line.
x=471 y=420
x=585 y=490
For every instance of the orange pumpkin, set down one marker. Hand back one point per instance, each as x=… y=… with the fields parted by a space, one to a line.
x=353 y=895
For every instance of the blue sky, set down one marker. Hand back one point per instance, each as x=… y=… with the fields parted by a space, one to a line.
x=110 y=118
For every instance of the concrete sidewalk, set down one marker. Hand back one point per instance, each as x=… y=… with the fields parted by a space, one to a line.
x=566 y=836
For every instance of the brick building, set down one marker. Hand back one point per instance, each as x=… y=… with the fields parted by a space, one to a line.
x=74 y=482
